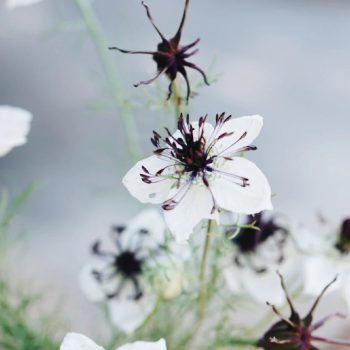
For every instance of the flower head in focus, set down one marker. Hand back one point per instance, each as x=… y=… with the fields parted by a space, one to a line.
x=14 y=127
x=75 y=341
x=13 y=4
x=296 y=333
x=199 y=169
x=170 y=57
x=117 y=274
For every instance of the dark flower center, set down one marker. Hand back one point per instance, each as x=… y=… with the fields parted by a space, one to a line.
x=250 y=238
x=128 y=264
x=343 y=244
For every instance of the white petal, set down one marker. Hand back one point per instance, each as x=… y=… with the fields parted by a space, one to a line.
x=127 y=314
x=12 y=4
x=263 y=287
x=14 y=127
x=148 y=193
x=151 y=221
x=246 y=200
x=317 y=241
x=142 y=345
x=232 y=278
x=249 y=124
x=75 y=341
x=89 y=285
x=346 y=292
x=318 y=272
x=195 y=206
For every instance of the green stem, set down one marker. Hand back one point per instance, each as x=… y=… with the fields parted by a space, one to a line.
x=96 y=33
x=204 y=271
x=239 y=342
x=177 y=100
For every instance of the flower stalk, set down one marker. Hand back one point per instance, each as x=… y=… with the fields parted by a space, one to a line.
x=203 y=277
x=96 y=33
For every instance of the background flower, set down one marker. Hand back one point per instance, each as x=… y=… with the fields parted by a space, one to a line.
x=14 y=127
x=74 y=341
x=12 y=4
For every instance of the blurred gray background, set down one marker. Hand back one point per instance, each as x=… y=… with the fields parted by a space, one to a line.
x=287 y=60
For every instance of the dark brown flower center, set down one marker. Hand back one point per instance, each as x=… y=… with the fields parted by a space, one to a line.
x=128 y=264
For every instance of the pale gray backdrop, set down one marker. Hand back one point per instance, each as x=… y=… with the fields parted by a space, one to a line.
x=288 y=60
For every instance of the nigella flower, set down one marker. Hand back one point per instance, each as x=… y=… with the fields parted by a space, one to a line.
x=75 y=341
x=296 y=333
x=117 y=273
x=326 y=253
x=258 y=253
x=171 y=57
x=13 y=4
x=199 y=169
x=14 y=127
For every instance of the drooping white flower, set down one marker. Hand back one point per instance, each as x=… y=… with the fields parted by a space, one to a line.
x=199 y=169
x=258 y=254
x=13 y=4
x=14 y=127
x=120 y=274
x=75 y=341
x=327 y=254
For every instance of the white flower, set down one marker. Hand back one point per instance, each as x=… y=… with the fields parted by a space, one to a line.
x=199 y=170
x=75 y=341
x=13 y=4
x=325 y=259
x=118 y=274
x=258 y=255
x=14 y=127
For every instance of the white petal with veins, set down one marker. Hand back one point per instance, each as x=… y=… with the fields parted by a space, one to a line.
x=251 y=125
x=148 y=193
x=195 y=206
x=231 y=196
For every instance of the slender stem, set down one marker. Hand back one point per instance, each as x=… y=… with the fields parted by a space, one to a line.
x=239 y=341
x=177 y=100
x=96 y=33
x=203 y=278
x=332 y=341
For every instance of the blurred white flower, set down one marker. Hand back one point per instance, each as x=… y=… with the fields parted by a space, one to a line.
x=199 y=169
x=75 y=341
x=173 y=270
x=120 y=273
x=13 y=4
x=258 y=255
x=14 y=127
x=326 y=258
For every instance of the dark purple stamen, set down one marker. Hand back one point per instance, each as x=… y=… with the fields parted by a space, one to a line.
x=192 y=159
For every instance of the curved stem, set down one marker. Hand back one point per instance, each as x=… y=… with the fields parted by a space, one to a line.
x=96 y=33
x=177 y=99
x=203 y=278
